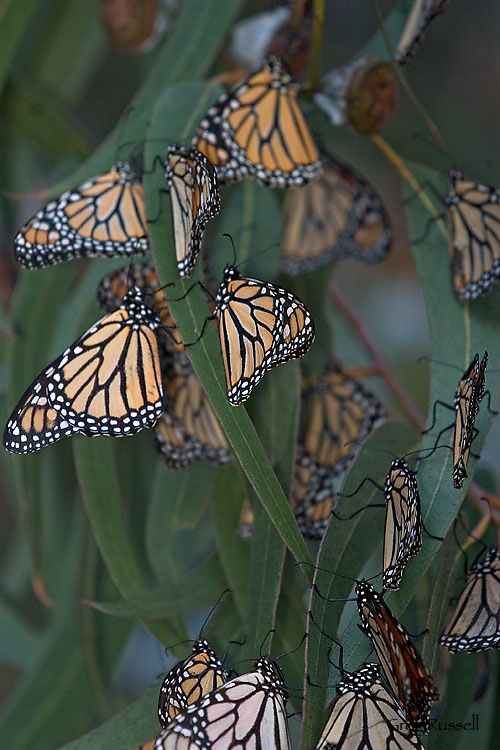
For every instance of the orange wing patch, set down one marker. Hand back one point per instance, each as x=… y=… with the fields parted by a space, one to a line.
x=103 y=216
x=257 y=129
x=260 y=326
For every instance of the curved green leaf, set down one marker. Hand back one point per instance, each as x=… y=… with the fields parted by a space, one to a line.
x=177 y=113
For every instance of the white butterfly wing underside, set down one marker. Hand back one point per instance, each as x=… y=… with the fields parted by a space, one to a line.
x=244 y=713
x=366 y=717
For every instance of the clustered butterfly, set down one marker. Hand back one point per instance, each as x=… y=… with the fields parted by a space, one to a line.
x=131 y=370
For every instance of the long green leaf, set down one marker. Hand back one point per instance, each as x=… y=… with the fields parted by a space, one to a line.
x=345 y=549
x=188 y=52
x=192 y=592
x=14 y=18
x=178 y=112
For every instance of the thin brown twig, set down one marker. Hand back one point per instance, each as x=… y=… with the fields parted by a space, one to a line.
x=378 y=361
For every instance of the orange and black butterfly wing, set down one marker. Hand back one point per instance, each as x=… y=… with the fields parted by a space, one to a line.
x=103 y=216
x=403 y=522
x=403 y=667
x=334 y=216
x=195 y=199
x=114 y=286
x=467 y=398
x=312 y=497
x=341 y=414
x=260 y=326
x=35 y=423
x=248 y=711
x=189 y=681
x=108 y=382
x=188 y=430
x=475 y=623
x=263 y=132
x=209 y=140
x=473 y=210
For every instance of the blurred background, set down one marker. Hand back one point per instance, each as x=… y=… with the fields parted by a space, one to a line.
x=68 y=72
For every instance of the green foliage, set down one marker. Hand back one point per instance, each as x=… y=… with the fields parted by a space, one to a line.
x=111 y=540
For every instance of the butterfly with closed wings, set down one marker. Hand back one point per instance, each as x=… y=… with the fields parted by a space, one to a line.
x=195 y=199
x=475 y=623
x=473 y=212
x=365 y=716
x=403 y=667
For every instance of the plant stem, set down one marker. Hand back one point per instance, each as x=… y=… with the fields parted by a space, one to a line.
x=398 y=163
x=317 y=41
x=377 y=360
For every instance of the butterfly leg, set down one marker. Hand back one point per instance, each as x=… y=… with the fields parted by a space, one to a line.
x=432 y=536
x=428 y=225
x=207 y=320
x=366 y=479
x=360 y=510
x=442 y=403
x=491 y=411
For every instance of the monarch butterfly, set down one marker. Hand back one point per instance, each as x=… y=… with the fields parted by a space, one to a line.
x=115 y=285
x=365 y=716
x=341 y=414
x=475 y=624
x=247 y=710
x=195 y=200
x=260 y=326
x=188 y=430
x=103 y=216
x=421 y=15
x=473 y=211
x=403 y=522
x=107 y=383
x=468 y=395
x=403 y=667
x=189 y=681
x=336 y=215
x=257 y=129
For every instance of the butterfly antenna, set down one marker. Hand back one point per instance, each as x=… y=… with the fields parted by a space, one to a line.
x=267 y=635
x=232 y=244
x=212 y=610
x=292 y=650
x=259 y=252
x=122 y=127
x=231 y=643
x=179 y=643
x=439 y=149
x=425 y=358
